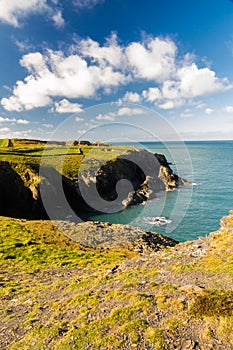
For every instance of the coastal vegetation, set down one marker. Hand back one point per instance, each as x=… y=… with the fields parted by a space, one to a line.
x=100 y=286
x=58 y=294
x=65 y=158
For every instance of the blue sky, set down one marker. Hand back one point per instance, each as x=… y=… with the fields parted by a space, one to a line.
x=59 y=57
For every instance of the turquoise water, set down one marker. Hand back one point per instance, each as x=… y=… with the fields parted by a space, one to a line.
x=191 y=211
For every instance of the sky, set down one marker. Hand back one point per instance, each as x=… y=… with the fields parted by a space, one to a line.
x=68 y=67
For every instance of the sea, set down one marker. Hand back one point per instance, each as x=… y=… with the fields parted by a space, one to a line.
x=190 y=211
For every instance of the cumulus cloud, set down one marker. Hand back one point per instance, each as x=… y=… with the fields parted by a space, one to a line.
x=54 y=74
x=189 y=82
x=133 y=97
x=89 y=69
x=13 y=11
x=64 y=106
x=152 y=60
x=14 y=121
x=111 y=53
x=126 y=111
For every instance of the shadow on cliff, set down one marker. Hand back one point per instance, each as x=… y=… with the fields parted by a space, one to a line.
x=16 y=199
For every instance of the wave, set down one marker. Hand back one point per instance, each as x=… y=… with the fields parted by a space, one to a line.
x=157 y=220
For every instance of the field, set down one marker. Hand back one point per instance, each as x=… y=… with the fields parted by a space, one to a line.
x=65 y=159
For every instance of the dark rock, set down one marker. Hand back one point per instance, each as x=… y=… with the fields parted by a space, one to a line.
x=107 y=235
x=130 y=179
x=151 y=241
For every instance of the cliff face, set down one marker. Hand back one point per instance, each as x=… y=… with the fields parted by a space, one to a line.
x=18 y=190
x=130 y=179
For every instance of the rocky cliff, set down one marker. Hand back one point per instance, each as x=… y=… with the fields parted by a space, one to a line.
x=131 y=178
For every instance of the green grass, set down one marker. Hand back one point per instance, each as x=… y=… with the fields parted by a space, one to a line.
x=66 y=160
x=36 y=244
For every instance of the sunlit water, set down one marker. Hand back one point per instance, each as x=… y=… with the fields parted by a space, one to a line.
x=210 y=196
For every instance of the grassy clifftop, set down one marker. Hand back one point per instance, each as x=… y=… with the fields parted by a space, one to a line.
x=64 y=159
x=56 y=294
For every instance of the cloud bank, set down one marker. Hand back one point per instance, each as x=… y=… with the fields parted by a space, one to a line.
x=90 y=70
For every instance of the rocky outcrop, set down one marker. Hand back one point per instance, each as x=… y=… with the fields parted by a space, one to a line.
x=103 y=235
x=132 y=178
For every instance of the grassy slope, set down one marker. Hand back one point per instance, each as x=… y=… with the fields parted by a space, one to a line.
x=56 y=295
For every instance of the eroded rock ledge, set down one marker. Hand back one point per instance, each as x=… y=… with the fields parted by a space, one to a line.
x=102 y=235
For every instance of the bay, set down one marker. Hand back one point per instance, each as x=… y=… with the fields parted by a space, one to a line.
x=198 y=207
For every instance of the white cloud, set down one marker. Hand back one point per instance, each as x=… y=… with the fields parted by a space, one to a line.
x=64 y=106
x=108 y=117
x=23 y=45
x=229 y=109
x=111 y=53
x=121 y=112
x=170 y=104
x=8 y=133
x=13 y=11
x=55 y=74
x=194 y=81
x=200 y=105
x=209 y=111
x=89 y=70
x=48 y=126
x=126 y=111
x=58 y=19
x=152 y=94
x=21 y=121
x=81 y=131
x=4 y=129
x=14 y=121
x=133 y=97
x=152 y=60
x=189 y=82
x=80 y=4
x=78 y=119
